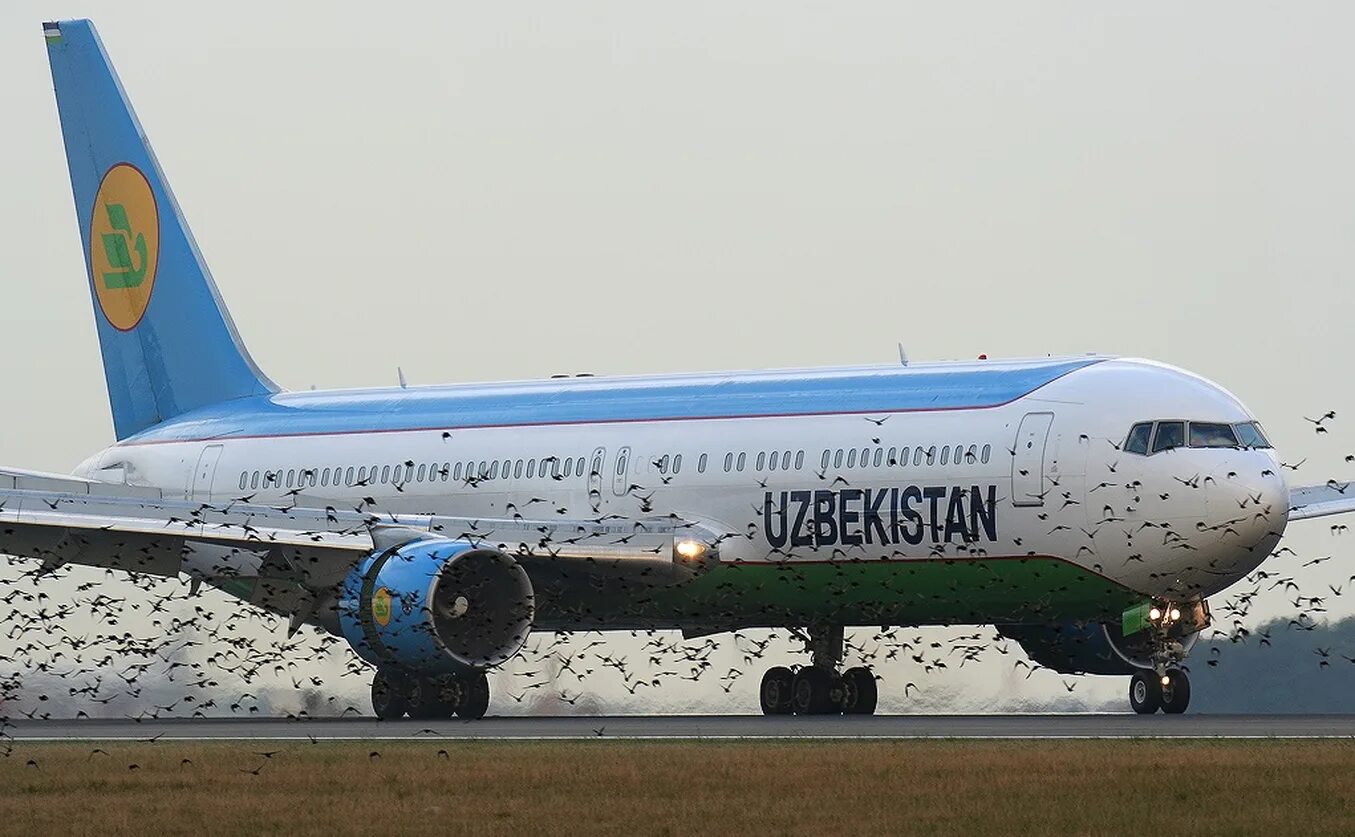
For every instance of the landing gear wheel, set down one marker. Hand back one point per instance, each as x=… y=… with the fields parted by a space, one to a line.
x=435 y=699
x=860 y=691
x=475 y=697
x=1176 y=693
x=1145 y=692
x=812 y=691
x=776 y=691
x=389 y=694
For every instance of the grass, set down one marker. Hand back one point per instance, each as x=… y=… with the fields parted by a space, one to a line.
x=630 y=788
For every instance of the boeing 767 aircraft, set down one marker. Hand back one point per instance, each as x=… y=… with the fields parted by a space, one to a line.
x=1085 y=506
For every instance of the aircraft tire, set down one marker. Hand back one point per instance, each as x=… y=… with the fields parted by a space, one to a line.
x=861 y=692
x=390 y=699
x=776 y=691
x=1176 y=694
x=438 y=698
x=474 y=697
x=812 y=691
x=1145 y=692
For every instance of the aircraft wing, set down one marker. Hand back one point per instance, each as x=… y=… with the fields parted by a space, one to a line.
x=1321 y=500
x=60 y=521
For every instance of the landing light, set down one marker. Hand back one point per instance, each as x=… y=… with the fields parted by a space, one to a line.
x=1166 y=681
x=1154 y=614
x=1175 y=614
x=690 y=549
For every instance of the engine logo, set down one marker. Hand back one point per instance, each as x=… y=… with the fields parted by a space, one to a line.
x=381 y=607
x=124 y=245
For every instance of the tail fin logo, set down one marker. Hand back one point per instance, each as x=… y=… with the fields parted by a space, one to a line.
x=124 y=245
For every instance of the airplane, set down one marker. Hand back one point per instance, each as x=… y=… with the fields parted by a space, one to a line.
x=1087 y=506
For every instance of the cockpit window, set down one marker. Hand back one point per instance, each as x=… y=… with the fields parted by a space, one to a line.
x=1250 y=435
x=1139 y=436
x=1170 y=434
x=1209 y=435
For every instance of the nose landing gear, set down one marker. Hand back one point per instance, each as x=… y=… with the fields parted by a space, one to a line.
x=820 y=688
x=1149 y=692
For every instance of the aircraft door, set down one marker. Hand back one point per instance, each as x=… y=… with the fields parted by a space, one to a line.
x=619 y=474
x=596 y=462
x=205 y=473
x=1028 y=461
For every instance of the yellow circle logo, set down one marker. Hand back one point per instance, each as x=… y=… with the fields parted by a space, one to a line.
x=124 y=245
x=381 y=607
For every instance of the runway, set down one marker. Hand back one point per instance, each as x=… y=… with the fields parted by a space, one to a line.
x=696 y=727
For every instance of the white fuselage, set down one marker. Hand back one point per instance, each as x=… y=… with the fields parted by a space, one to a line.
x=964 y=483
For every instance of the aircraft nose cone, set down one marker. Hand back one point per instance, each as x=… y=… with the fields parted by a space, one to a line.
x=1248 y=508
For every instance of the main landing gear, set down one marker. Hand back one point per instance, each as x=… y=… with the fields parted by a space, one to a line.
x=1149 y=692
x=398 y=693
x=819 y=688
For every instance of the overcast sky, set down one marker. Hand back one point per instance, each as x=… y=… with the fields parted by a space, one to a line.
x=479 y=191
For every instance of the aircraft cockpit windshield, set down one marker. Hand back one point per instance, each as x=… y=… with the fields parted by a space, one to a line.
x=1149 y=437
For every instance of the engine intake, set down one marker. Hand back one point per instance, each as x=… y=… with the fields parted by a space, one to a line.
x=438 y=605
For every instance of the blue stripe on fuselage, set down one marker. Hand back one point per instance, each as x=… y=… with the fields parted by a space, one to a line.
x=882 y=389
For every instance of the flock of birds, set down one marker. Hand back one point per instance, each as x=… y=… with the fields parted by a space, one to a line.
x=82 y=642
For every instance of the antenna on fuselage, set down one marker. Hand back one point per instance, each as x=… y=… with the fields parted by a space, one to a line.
x=401 y=373
x=903 y=356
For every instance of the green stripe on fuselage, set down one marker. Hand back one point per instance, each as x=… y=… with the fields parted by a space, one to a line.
x=1024 y=590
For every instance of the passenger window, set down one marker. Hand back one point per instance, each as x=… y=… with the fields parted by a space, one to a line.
x=569 y=467
x=945 y=453
x=799 y=460
x=385 y=474
x=350 y=475
x=578 y=467
x=1170 y=434
x=254 y=480
x=761 y=460
x=1139 y=435
x=775 y=460
x=824 y=461
x=879 y=456
x=903 y=456
x=1208 y=435
x=531 y=468
x=620 y=465
x=837 y=458
x=244 y=479
x=851 y=458
x=677 y=462
x=931 y=455
x=917 y=456
x=291 y=474
x=893 y=458
x=701 y=464
x=742 y=458
x=729 y=462
x=972 y=455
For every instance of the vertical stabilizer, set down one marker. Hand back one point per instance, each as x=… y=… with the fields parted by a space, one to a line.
x=168 y=342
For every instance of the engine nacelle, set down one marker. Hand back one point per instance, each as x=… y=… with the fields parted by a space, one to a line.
x=437 y=605
x=1087 y=648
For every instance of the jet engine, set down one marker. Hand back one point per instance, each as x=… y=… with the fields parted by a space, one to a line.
x=1087 y=647
x=437 y=605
